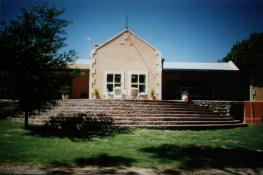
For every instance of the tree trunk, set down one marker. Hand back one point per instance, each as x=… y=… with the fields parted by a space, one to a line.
x=26 y=119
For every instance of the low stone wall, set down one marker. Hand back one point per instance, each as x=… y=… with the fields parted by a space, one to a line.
x=8 y=108
x=226 y=108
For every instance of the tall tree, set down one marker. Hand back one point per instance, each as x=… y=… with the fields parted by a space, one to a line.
x=33 y=64
x=248 y=54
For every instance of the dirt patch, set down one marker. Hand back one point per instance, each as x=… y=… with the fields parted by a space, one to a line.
x=33 y=169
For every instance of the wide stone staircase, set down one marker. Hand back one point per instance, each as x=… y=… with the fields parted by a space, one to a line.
x=140 y=113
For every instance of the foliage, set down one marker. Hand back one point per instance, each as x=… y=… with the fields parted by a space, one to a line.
x=185 y=92
x=238 y=147
x=152 y=93
x=247 y=54
x=33 y=65
x=96 y=93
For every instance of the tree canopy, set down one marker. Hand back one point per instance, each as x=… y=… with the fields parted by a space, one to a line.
x=247 y=54
x=33 y=64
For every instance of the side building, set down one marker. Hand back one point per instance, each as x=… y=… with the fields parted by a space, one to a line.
x=204 y=81
x=80 y=83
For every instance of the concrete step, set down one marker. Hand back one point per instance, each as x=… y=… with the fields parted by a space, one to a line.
x=164 y=115
x=139 y=111
x=187 y=126
x=128 y=113
x=134 y=113
x=173 y=118
x=146 y=107
x=128 y=122
x=151 y=118
x=132 y=108
x=125 y=103
x=101 y=101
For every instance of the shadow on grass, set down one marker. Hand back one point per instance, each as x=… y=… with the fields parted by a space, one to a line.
x=104 y=160
x=77 y=126
x=108 y=165
x=101 y=160
x=192 y=157
x=105 y=171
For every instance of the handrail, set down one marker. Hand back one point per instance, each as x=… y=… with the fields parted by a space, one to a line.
x=252 y=112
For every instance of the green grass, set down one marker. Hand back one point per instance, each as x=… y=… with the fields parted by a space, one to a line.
x=239 y=147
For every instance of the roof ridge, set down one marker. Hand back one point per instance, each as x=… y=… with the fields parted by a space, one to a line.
x=196 y=62
x=119 y=34
x=230 y=66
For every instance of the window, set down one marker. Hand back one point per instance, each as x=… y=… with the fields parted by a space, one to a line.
x=138 y=81
x=113 y=80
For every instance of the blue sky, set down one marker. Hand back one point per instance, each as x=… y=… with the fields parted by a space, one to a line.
x=183 y=30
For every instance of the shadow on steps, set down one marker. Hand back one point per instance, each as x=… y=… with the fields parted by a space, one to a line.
x=77 y=125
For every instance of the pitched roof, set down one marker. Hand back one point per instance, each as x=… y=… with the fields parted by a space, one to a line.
x=119 y=34
x=228 y=66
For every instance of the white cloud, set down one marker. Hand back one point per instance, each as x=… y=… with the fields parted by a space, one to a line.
x=87 y=38
x=82 y=61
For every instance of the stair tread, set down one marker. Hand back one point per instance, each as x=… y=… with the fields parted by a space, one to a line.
x=158 y=121
x=199 y=125
x=160 y=114
x=122 y=117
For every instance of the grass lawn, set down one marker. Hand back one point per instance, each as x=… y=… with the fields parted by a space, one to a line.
x=239 y=147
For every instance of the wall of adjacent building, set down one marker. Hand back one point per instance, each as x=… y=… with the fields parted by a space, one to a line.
x=253 y=112
x=206 y=85
x=256 y=86
x=80 y=86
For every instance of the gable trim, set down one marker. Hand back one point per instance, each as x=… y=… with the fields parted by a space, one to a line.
x=119 y=34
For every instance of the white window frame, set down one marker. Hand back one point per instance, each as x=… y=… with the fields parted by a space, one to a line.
x=105 y=80
x=137 y=73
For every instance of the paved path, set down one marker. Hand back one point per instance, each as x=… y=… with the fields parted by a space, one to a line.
x=27 y=169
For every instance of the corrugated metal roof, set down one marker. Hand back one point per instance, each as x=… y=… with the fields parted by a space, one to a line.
x=79 y=66
x=230 y=66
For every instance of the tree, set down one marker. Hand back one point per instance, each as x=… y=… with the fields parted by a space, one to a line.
x=248 y=54
x=33 y=66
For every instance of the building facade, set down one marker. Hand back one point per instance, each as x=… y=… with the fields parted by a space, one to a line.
x=127 y=64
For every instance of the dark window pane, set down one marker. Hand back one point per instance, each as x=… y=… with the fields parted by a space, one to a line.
x=142 y=79
x=134 y=85
x=109 y=77
x=110 y=87
x=117 y=85
x=134 y=78
x=117 y=78
x=141 y=88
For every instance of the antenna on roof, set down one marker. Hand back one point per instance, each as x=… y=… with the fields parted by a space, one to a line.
x=126 y=25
